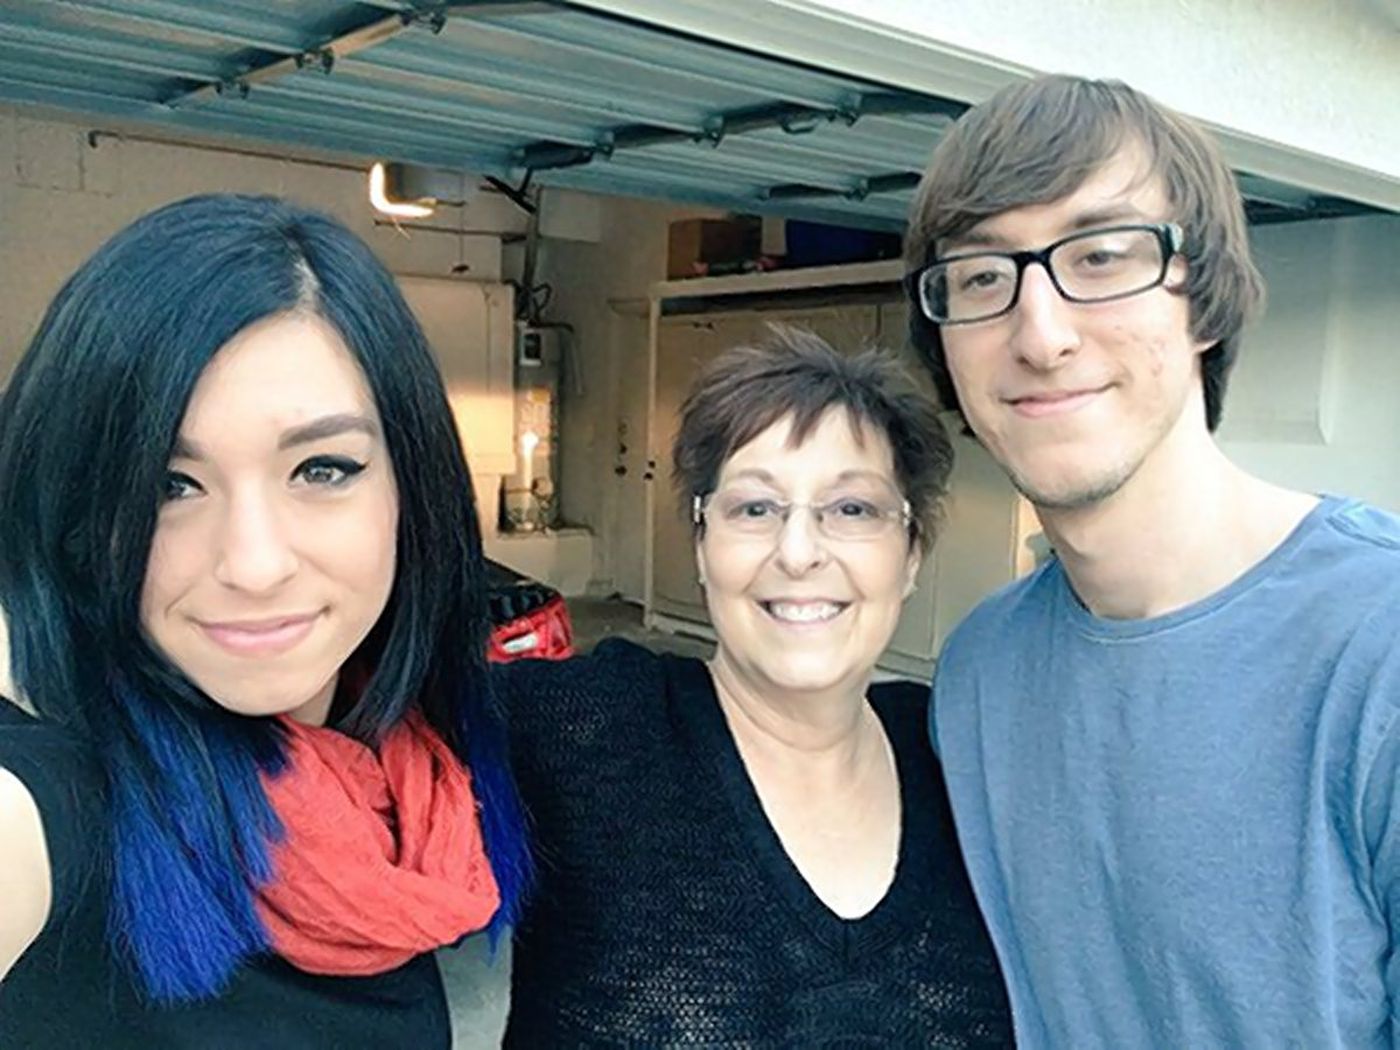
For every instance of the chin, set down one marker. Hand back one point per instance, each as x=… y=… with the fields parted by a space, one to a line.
x=264 y=700
x=808 y=676
x=1051 y=489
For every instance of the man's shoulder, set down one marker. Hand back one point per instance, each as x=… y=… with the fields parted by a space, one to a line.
x=1365 y=530
x=1353 y=553
x=1364 y=568
x=1005 y=613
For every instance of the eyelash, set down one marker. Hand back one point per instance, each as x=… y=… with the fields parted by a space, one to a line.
x=173 y=478
x=345 y=468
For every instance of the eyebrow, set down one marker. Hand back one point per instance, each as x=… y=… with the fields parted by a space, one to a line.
x=862 y=475
x=328 y=426
x=758 y=474
x=316 y=430
x=1108 y=215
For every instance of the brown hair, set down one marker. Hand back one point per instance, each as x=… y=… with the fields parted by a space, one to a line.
x=798 y=374
x=1036 y=142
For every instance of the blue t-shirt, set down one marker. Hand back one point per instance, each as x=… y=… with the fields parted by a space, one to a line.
x=1184 y=830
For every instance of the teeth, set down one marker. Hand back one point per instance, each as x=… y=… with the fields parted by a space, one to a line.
x=804 y=612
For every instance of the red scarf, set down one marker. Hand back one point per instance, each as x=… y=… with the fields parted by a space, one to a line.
x=382 y=857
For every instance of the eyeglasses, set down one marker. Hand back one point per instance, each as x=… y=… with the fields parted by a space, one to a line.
x=843 y=519
x=1091 y=267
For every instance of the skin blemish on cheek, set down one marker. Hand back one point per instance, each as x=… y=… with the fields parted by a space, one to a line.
x=1156 y=357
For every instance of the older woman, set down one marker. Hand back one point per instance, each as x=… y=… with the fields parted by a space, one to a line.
x=246 y=599
x=758 y=852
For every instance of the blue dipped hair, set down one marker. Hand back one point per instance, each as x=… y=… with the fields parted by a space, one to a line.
x=205 y=857
x=503 y=818
x=87 y=425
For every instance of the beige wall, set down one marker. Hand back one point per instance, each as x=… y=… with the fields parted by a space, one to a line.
x=61 y=197
x=601 y=289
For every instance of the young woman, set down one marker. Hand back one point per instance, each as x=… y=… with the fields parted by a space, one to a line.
x=258 y=777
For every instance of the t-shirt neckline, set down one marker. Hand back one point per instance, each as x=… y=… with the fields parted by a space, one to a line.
x=1104 y=628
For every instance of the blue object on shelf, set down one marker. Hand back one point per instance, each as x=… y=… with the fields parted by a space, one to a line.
x=821 y=244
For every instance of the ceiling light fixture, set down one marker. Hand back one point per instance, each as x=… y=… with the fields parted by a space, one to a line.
x=386 y=204
x=412 y=191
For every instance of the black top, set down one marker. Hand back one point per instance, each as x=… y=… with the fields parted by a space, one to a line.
x=668 y=912
x=68 y=992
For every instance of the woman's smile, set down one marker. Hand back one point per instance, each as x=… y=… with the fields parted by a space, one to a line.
x=265 y=637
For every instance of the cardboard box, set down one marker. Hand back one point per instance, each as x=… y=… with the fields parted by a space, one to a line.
x=695 y=245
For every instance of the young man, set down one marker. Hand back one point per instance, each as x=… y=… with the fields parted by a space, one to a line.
x=1173 y=750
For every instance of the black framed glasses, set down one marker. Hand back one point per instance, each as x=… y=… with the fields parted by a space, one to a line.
x=1090 y=267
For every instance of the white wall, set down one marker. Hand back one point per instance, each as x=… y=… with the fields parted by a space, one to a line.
x=601 y=289
x=1310 y=73
x=1328 y=342
x=60 y=198
x=1304 y=90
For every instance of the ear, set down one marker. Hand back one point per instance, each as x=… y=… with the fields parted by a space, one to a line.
x=911 y=568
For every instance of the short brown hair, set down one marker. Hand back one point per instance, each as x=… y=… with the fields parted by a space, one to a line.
x=1036 y=142
x=798 y=374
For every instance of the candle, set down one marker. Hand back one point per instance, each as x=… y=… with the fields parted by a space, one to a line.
x=528 y=441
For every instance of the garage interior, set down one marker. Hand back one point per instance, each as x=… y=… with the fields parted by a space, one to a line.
x=587 y=209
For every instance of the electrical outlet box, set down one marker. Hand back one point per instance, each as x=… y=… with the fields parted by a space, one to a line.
x=536 y=347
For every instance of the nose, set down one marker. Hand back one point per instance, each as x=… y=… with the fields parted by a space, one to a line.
x=1043 y=333
x=800 y=547
x=254 y=552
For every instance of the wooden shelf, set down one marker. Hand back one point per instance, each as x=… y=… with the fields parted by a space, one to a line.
x=883 y=271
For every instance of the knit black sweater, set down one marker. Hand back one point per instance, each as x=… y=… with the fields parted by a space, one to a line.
x=668 y=913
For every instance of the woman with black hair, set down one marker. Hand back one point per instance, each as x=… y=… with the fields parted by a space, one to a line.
x=257 y=777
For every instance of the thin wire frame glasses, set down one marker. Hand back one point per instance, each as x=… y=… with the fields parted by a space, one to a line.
x=844 y=519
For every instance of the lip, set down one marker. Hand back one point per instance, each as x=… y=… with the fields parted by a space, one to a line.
x=265 y=637
x=1048 y=403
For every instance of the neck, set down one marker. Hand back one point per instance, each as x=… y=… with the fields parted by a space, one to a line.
x=316 y=711
x=1185 y=525
x=822 y=732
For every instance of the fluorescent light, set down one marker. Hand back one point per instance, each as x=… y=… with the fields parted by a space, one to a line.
x=419 y=209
